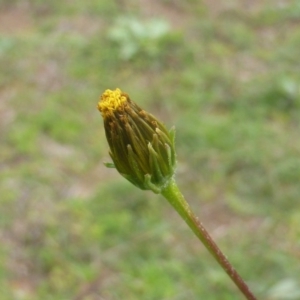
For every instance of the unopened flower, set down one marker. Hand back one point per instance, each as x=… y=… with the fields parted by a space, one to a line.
x=141 y=148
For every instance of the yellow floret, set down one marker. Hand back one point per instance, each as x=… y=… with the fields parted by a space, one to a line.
x=110 y=101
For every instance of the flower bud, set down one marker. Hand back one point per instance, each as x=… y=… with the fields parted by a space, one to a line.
x=141 y=148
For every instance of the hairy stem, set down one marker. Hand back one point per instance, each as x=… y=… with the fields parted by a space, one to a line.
x=172 y=193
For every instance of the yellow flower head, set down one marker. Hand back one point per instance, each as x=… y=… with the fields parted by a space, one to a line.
x=111 y=101
x=141 y=148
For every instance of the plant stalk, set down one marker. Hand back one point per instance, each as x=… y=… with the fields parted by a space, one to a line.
x=172 y=193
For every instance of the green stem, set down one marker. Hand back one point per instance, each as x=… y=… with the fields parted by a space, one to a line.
x=172 y=193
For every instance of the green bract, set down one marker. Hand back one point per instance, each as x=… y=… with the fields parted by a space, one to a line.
x=141 y=148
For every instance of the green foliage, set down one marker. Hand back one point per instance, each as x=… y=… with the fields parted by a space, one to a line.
x=227 y=76
x=134 y=36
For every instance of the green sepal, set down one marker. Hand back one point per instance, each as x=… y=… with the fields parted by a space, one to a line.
x=172 y=133
x=153 y=160
x=136 y=172
x=133 y=181
x=169 y=154
x=151 y=186
x=172 y=154
x=109 y=165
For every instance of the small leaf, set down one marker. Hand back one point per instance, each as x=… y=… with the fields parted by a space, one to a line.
x=110 y=165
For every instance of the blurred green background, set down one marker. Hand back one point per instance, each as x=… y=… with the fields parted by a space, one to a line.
x=225 y=73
